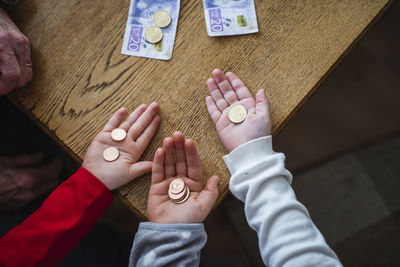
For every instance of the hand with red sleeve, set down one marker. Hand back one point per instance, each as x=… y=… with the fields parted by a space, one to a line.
x=140 y=127
x=47 y=236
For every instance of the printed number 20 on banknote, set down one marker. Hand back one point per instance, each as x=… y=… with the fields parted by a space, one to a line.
x=230 y=17
x=140 y=17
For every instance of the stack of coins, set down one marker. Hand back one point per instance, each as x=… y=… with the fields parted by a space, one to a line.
x=112 y=153
x=154 y=34
x=178 y=191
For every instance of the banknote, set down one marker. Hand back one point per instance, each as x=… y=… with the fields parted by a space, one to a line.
x=140 y=17
x=230 y=17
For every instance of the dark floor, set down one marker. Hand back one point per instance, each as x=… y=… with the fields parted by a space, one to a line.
x=342 y=147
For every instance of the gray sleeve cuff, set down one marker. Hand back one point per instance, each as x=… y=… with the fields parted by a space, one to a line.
x=176 y=227
x=159 y=244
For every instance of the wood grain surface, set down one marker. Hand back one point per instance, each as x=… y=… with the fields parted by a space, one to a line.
x=81 y=78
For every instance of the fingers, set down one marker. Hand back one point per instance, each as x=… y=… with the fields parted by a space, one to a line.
x=262 y=105
x=133 y=117
x=139 y=168
x=29 y=70
x=169 y=149
x=216 y=95
x=225 y=87
x=193 y=161
x=157 y=172
x=23 y=160
x=143 y=121
x=47 y=172
x=238 y=86
x=20 y=53
x=179 y=143
x=144 y=139
x=115 y=120
x=14 y=52
x=44 y=188
x=209 y=194
x=21 y=186
x=10 y=71
x=215 y=114
x=34 y=181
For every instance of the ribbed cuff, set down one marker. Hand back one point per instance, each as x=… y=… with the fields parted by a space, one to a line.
x=252 y=151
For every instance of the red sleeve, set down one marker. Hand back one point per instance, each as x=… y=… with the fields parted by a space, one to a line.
x=47 y=236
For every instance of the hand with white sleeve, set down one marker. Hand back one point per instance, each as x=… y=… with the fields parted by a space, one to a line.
x=287 y=235
x=227 y=90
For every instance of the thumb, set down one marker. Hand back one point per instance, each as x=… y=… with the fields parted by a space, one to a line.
x=209 y=194
x=139 y=168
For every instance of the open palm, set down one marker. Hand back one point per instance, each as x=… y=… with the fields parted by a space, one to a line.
x=227 y=90
x=140 y=126
x=186 y=165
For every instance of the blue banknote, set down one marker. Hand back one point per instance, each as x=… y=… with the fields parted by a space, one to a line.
x=230 y=17
x=140 y=17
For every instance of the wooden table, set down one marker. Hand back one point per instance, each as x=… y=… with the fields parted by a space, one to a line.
x=81 y=78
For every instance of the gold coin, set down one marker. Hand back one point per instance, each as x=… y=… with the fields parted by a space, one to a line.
x=153 y=34
x=111 y=154
x=162 y=18
x=237 y=113
x=118 y=134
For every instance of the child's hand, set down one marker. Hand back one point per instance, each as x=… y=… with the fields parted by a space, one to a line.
x=140 y=126
x=227 y=90
x=160 y=208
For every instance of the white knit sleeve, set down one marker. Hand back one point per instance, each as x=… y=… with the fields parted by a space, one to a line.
x=287 y=235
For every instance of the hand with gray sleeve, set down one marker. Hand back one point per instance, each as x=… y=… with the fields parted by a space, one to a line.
x=287 y=236
x=175 y=233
